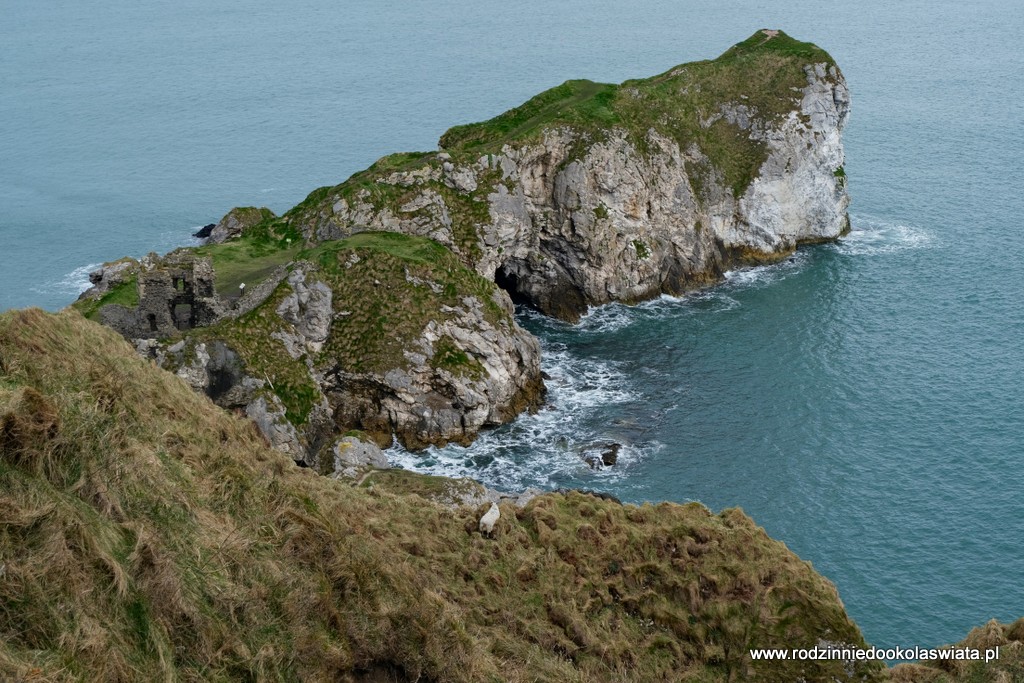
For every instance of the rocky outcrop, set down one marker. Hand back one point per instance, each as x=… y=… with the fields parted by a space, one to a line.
x=352 y=456
x=680 y=184
x=236 y=222
x=389 y=335
x=204 y=232
x=110 y=276
x=452 y=361
x=589 y=193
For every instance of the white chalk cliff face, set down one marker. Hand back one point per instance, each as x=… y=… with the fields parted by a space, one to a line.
x=566 y=230
x=800 y=195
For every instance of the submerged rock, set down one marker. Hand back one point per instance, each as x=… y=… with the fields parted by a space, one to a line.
x=601 y=454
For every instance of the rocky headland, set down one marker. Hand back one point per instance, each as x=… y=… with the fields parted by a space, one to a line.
x=148 y=535
x=381 y=308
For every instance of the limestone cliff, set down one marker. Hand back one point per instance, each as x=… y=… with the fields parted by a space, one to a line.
x=381 y=333
x=591 y=193
x=383 y=304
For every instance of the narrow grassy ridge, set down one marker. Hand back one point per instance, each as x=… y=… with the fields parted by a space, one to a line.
x=147 y=535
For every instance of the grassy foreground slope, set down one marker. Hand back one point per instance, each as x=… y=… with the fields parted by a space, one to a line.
x=147 y=535
x=1008 y=668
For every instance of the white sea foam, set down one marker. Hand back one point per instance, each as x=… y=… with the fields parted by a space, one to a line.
x=73 y=283
x=607 y=318
x=871 y=236
x=764 y=275
x=544 y=449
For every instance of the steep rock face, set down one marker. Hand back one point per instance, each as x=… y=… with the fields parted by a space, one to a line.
x=462 y=373
x=236 y=222
x=387 y=334
x=620 y=193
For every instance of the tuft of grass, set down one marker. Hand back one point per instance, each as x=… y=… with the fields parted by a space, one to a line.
x=453 y=359
x=125 y=294
x=148 y=535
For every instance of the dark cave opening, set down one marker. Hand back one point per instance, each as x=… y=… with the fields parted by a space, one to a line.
x=508 y=279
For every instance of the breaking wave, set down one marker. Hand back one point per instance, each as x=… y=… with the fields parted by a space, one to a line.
x=871 y=236
x=547 y=449
x=73 y=283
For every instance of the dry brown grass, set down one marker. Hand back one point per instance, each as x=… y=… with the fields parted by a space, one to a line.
x=147 y=535
x=1008 y=668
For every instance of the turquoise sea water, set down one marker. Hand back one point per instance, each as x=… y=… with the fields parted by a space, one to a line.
x=863 y=401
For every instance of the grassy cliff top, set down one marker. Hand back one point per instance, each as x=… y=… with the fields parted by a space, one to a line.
x=760 y=72
x=386 y=287
x=764 y=73
x=148 y=535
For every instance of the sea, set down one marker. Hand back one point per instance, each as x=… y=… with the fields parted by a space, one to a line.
x=863 y=401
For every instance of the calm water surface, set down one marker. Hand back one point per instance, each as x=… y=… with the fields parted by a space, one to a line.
x=862 y=401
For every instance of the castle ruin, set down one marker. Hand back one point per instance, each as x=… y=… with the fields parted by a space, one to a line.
x=176 y=293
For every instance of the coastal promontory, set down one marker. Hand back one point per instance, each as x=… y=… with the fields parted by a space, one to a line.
x=382 y=306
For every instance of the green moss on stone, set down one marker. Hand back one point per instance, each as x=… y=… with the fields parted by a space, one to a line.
x=453 y=359
x=125 y=294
